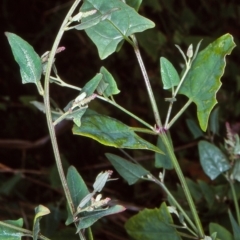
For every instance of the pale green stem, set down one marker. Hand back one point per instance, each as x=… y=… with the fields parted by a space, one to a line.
x=22 y=230
x=62 y=117
x=48 y=110
x=126 y=111
x=179 y=114
x=175 y=202
x=147 y=82
x=186 y=191
x=188 y=66
x=166 y=125
x=235 y=200
x=60 y=82
x=143 y=130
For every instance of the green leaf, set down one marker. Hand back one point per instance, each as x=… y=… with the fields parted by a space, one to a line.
x=207 y=193
x=111 y=88
x=77 y=188
x=131 y=172
x=92 y=84
x=54 y=178
x=203 y=80
x=8 y=186
x=235 y=226
x=162 y=160
x=169 y=74
x=91 y=217
x=222 y=233
x=152 y=224
x=213 y=161
x=8 y=233
x=28 y=60
x=134 y=3
x=107 y=34
x=77 y=115
x=195 y=130
x=236 y=171
x=111 y=132
x=194 y=189
x=41 y=107
x=152 y=41
x=214 y=121
x=39 y=212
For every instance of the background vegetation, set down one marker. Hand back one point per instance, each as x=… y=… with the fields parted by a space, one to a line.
x=27 y=171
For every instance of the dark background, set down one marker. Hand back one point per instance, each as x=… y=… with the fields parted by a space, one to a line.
x=28 y=177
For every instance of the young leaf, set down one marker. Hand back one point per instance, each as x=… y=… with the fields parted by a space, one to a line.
x=108 y=33
x=203 y=80
x=39 y=212
x=92 y=84
x=213 y=161
x=111 y=89
x=77 y=115
x=101 y=180
x=235 y=226
x=8 y=233
x=131 y=172
x=162 y=160
x=111 y=132
x=169 y=74
x=28 y=60
x=152 y=224
x=222 y=233
x=91 y=217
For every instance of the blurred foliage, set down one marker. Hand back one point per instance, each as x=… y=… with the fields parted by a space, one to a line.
x=27 y=169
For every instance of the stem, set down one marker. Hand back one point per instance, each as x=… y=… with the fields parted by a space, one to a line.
x=48 y=110
x=235 y=200
x=179 y=114
x=166 y=125
x=177 y=168
x=162 y=185
x=126 y=111
x=147 y=82
x=60 y=82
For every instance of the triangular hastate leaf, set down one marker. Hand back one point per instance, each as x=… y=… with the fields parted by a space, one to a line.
x=8 y=233
x=120 y=24
x=131 y=172
x=213 y=161
x=169 y=74
x=28 y=60
x=203 y=80
x=152 y=224
x=111 y=132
